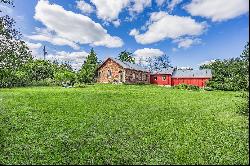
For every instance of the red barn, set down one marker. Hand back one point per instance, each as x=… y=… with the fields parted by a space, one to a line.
x=161 y=77
x=191 y=77
x=171 y=76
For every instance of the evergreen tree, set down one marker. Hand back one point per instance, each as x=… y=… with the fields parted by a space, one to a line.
x=88 y=71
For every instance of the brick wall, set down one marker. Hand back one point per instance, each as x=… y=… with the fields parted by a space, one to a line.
x=104 y=71
x=119 y=74
x=134 y=76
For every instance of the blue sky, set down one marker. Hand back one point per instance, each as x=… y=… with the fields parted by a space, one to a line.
x=189 y=32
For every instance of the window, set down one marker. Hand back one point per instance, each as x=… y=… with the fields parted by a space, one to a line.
x=155 y=77
x=163 y=77
x=140 y=76
x=109 y=74
x=99 y=74
x=146 y=77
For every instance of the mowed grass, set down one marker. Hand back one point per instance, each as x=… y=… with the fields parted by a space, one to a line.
x=121 y=124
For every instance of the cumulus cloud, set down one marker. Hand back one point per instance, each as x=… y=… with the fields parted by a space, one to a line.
x=34 y=48
x=42 y=34
x=207 y=62
x=160 y=2
x=172 y=4
x=84 y=7
x=116 y=23
x=71 y=27
x=76 y=59
x=141 y=55
x=218 y=10
x=162 y=26
x=139 y=5
x=109 y=11
x=186 y=42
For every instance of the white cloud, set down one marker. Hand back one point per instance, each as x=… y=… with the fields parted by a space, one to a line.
x=47 y=35
x=84 y=7
x=185 y=68
x=172 y=4
x=76 y=59
x=207 y=62
x=109 y=11
x=162 y=26
x=139 y=5
x=34 y=47
x=187 y=42
x=116 y=23
x=133 y=32
x=218 y=10
x=72 y=27
x=160 y=2
x=141 y=55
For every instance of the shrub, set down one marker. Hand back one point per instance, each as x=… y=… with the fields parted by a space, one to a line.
x=10 y=78
x=79 y=85
x=45 y=82
x=65 y=78
x=243 y=108
x=192 y=87
x=186 y=87
x=208 y=89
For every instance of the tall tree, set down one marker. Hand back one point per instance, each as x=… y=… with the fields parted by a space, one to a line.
x=157 y=63
x=126 y=56
x=88 y=71
x=13 y=51
x=245 y=58
x=162 y=62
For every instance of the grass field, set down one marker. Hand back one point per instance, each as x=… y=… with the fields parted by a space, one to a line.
x=121 y=124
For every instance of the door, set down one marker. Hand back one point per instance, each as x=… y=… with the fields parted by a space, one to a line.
x=121 y=76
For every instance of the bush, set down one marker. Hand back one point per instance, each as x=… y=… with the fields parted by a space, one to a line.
x=186 y=87
x=10 y=78
x=208 y=88
x=192 y=87
x=65 y=78
x=79 y=85
x=243 y=108
x=45 y=82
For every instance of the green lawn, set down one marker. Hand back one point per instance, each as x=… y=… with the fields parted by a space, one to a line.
x=121 y=124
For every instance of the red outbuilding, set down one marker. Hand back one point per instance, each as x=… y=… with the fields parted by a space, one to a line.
x=171 y=76
x=162 y=77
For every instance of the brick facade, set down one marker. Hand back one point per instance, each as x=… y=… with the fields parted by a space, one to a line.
x=110 y=71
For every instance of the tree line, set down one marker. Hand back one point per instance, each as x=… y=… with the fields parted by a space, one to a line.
x=230 y=74
x=19 y=68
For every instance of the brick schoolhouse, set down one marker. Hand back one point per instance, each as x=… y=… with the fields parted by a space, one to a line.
x=114 y=70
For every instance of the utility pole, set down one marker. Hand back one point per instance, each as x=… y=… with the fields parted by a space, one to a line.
x=44 y=52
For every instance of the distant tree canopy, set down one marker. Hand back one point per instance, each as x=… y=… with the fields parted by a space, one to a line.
x=17 y=66
x=230 y=74
x=157 y=63
x=126 y=56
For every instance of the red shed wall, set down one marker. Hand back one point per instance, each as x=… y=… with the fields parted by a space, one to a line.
x=201 y=82
x=160 y=80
